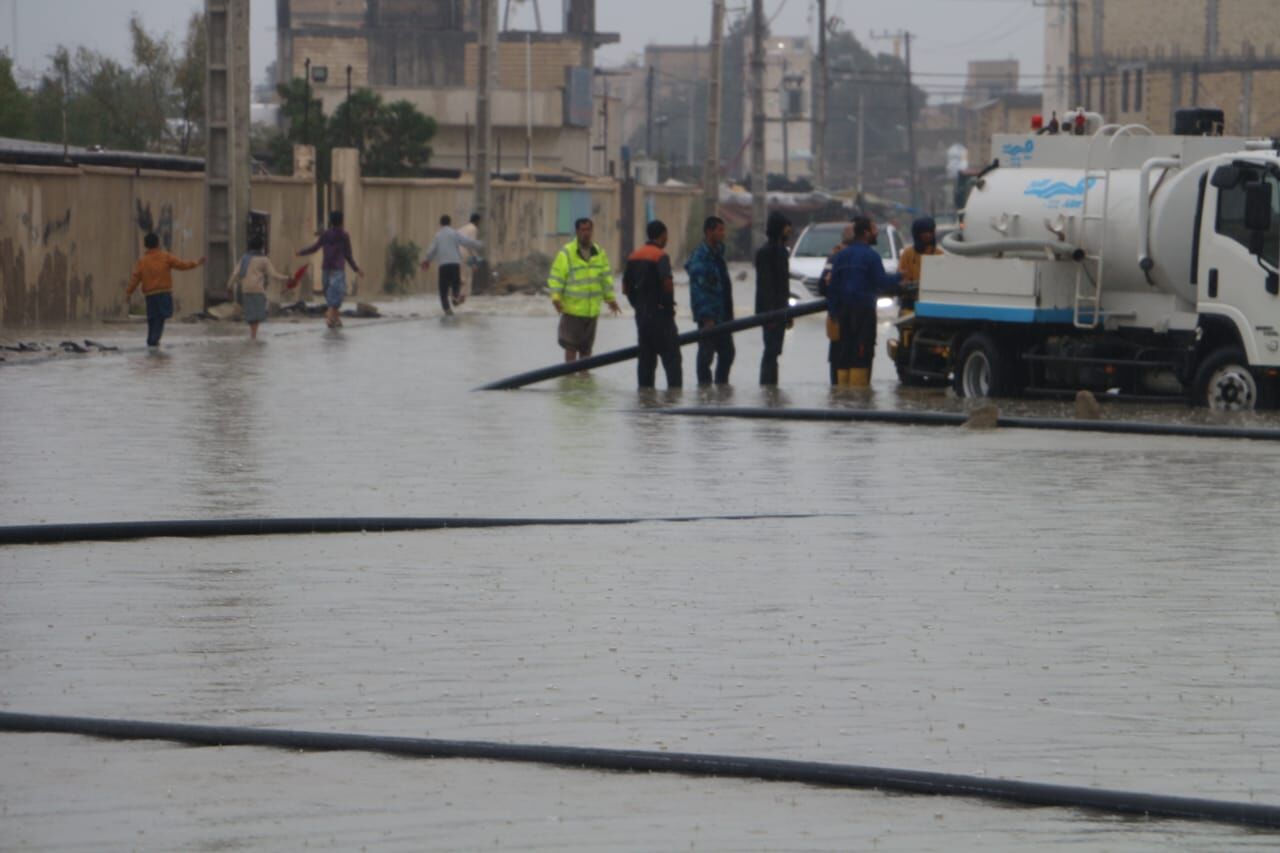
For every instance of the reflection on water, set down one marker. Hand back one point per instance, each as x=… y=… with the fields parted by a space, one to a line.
x=1064 y=607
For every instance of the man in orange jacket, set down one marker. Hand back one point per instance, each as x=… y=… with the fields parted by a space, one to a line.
x=153 y=272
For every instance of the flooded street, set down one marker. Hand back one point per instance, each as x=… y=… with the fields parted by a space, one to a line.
x=1071 y=608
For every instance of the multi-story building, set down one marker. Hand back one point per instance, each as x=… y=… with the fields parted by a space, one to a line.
x=990 y=78
x=1138 y=61
x=788 y=100
x=547 y=109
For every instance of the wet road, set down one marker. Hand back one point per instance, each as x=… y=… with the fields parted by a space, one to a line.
x=1079 y=609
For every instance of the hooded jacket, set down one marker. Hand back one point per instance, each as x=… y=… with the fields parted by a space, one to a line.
x=710 y=288
x=773 y=267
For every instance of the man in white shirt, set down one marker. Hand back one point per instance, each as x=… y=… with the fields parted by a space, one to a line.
x=469 y=258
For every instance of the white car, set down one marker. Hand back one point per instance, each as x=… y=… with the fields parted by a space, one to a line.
x=814 y=246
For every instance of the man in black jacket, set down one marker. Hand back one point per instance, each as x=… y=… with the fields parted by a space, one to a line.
x=649 y=287
x=773 y=291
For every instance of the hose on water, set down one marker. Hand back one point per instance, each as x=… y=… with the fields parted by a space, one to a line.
x=614 y=356
x=642 y=761
x=42 y=534
x=959 y=419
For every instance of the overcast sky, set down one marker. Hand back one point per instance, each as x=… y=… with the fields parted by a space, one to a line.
x=950 y=32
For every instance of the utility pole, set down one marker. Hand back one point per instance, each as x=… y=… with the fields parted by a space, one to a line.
x=688 y=140
x=905 y=37
x=226 y=174
x=820 y=93
x=862 y=136
x=711 y=169
x=648 y=114
x=1076 y=87
x=759 y=174
x=785 y=114
x=488 y=49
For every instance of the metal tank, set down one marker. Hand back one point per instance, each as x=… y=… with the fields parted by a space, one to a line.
x=1041 y=193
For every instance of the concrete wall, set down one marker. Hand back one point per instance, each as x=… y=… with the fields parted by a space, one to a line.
x=69 y=237
x=527 y=217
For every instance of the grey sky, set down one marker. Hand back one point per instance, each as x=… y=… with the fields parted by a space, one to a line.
x=949 y=32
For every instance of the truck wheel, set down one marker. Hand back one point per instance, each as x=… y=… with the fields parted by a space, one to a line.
x=982 y=370
x=1225 y=383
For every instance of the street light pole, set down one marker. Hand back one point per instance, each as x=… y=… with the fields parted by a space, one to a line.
x=759 y=174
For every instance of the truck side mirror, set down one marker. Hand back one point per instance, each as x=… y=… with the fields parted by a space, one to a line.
x=1257 y=206
x=1226 y=177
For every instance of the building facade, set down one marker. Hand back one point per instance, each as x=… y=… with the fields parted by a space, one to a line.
x=1135 y=63
x=548 y=113
x=788 y=105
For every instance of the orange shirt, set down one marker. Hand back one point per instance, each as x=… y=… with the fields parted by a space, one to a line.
x=910 y=262
x=152 y=272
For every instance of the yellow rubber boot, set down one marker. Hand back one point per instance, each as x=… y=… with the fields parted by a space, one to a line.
x=860 y=377
x=842 y=378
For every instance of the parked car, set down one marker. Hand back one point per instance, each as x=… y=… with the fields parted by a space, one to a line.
x=814 y=246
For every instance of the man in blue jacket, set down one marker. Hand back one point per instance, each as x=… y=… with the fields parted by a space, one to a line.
x=858 y=279
x=711 y=293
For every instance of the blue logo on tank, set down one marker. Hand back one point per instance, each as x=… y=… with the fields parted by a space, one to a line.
x=1017 y=154
x=1060 y=193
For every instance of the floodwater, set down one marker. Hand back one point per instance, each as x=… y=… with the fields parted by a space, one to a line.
x=1072 y=608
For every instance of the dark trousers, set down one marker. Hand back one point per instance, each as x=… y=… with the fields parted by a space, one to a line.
x=773 y=337
x=159 y=309
x=719 y=349
x=450 y=284
x=857 y=344
x=658 y=339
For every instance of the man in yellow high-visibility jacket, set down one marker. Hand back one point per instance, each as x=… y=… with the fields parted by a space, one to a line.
x=580 y=282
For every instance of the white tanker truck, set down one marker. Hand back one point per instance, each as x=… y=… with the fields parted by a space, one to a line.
x=1119 y=261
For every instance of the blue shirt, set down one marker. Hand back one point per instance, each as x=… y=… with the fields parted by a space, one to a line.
x=710 y=290
x=857 y=278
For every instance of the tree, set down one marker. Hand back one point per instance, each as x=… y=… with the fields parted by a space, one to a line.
x=881 y=80
x=189 y=81
x=355 y=122
x=392 y=138
x=155 y=104
x=402 y=148
x=15 y=104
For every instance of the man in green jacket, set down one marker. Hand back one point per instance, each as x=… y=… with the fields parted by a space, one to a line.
x=580 y=281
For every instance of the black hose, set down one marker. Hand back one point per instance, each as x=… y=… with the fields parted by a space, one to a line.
x=959 y=419
x=39 y=534
x=614 y=356
x=769 y=769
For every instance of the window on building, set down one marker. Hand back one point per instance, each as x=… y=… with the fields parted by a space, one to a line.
x=1088 y=93
x=1102 y=94
x=1137 y=91
x=1124 y=92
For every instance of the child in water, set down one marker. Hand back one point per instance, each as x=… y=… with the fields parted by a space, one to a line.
x=251 y=277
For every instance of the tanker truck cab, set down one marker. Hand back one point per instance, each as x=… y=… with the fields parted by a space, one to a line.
x=1121 y=262
x=1238 y=284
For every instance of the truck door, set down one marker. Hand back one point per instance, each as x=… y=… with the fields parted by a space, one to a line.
x=1232 y=280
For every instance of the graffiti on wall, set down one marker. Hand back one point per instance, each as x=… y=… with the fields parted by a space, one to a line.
x=42 y=234
x=163 y=228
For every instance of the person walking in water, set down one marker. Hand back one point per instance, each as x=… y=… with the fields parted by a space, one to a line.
x=336 y=243
x=773 y=291
x=650 y=288
x=580 y=282
x=248 y=284
x=447 y=245
x=153 y=273
x=470 y=260
x=711 y=292
x=857 y=280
